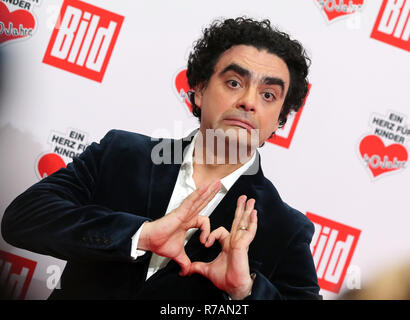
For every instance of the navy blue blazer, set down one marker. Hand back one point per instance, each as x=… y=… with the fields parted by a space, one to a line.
x=87 y=213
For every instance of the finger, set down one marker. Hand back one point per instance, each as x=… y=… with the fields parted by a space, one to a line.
x=199 y=194
x=205 y=226
x=244 y=222
x=240 y=204
x=184 y=263
x=189 y=202
x=203 y=201
x=253 y=224
x=243 y=238
x=219 y=234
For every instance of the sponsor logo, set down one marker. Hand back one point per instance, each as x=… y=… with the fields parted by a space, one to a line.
x=49 y=163
x=392 y=25
x=15 y=275
x=182 y=88
x=334 y=9
x=283 y=136
x=332 y=246
x=384 y=151
x=64 y=148
x=83 y=39
x=17 y=19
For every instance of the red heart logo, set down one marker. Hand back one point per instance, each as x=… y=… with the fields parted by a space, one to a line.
x=381 y=159
x=181 y=84
x=338 y=8
x=49 y=163
x=16 y=24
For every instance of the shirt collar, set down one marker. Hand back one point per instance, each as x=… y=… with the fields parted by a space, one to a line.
x=228 y=181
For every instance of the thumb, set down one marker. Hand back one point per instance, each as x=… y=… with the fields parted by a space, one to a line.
x=184 y=263
x=199 y=267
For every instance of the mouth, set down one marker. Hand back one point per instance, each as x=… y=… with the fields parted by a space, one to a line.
x=240 y=123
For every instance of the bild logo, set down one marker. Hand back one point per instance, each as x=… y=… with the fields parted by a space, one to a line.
x=283 y=136
x=15 y=275
x=83 y=39
x=392 y=25
x=333 y=245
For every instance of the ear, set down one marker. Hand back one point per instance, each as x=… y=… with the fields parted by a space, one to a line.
x=198 y=95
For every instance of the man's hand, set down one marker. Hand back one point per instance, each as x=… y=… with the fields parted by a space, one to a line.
x=166 y=236
x=230 y=269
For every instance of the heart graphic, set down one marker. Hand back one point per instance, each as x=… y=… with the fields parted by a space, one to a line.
x=14 y=25
x=182 y=87
x=381 y=159
x=337 y=8
x=49 y=163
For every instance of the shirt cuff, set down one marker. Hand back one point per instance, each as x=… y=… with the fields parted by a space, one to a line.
x=135 y=253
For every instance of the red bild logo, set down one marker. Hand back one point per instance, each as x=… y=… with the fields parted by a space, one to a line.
x=83 y=39
x=283 y=136
x=332 y=248
x=393 y=24
x=15 y=275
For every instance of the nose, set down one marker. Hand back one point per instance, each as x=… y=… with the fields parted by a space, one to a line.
x=247 y=101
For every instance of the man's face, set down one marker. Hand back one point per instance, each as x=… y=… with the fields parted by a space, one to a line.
x=246 y=91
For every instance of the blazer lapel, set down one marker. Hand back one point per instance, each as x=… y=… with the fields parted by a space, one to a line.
x=164 y=175
x=246 y=184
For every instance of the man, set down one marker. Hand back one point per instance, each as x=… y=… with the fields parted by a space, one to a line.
x=125 y=222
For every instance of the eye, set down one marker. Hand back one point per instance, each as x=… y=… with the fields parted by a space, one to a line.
x=233 y=84
x=269 y=96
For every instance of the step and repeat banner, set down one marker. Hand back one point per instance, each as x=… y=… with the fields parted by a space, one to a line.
x=72 y=70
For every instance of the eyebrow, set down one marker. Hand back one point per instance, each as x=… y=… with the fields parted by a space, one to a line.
x=248 y=74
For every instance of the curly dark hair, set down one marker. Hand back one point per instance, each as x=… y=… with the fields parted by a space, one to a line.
x=223 y=34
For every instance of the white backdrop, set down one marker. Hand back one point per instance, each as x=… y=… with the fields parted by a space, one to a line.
x=359 y=91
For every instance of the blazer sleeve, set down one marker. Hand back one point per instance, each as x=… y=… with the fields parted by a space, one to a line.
x=57 y=215
x=295 y=276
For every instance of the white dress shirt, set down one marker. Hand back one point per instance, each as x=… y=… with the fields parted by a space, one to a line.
x=184 y=186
